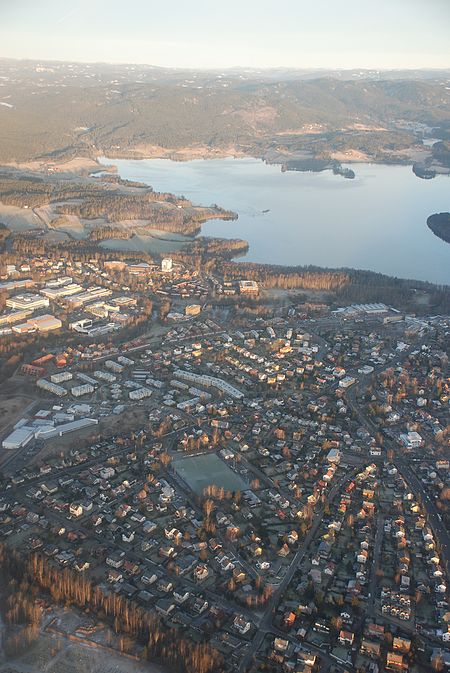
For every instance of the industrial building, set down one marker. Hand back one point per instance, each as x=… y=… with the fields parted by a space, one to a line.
x=14 y=316
x=16 y=284
x=18 y=438
x=61 y=291
x=27 y=300
x=42 y=323
x=411 y=440
x=65 y=428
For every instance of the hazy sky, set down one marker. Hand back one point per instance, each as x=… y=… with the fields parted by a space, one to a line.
x=223 y=33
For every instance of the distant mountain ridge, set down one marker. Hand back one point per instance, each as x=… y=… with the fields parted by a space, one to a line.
x=53 y=109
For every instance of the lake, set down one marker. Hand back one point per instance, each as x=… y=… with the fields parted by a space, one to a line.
x=376 y=221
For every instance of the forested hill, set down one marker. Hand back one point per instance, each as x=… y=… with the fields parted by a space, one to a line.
x=439 y=223
x=59 y=110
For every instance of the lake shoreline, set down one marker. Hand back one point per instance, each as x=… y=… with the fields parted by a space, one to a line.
x=278 y=159
x=286 y=220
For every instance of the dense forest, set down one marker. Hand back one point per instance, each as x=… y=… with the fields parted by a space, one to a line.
x=107 y=232
x=242 y=112
x=33 y=191
x=163 y=211
x=110 y=200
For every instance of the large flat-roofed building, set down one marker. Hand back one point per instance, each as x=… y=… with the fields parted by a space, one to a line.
x=42 y=323
x=14 y=316
x=16 y=284
x=85 y=389
x=192 y=309
x=27 y=300
x=18 y=438
x=61 y=290
x=411 y=440
x=51 y=387
x=167 y=265
x=248 y=287
x=92 y=294
x=140 y=269
x=210 y=381
x=334 y=456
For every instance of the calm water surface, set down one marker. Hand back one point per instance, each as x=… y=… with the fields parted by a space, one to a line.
x=376 y=222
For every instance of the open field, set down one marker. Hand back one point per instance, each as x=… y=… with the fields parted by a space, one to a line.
x=19 y=219
x=201 y=471
x=53 y=654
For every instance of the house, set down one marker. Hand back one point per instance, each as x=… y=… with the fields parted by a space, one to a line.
x=115 y=559
x=370 y=648
x=114 y=575
x=241 y=624
x=362 y=556
x=151 y=576
x=76 y=509
x=346 y=637
x=164 y=585
x=164 y=606
x=375 y=630
x=201 y=572
x=199 y=606
x=401 y=645
x=180 y=597
x=280 y=644
x=394 y=662
x=289 y=619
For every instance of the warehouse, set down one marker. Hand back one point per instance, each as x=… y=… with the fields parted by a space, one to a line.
x=42 y=323
x=65 y=428
x=18 y=438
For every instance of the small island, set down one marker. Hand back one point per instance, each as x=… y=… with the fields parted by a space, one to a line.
x=439 y=223
x=317 y=165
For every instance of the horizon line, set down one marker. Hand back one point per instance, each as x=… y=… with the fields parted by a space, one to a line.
x=267 y=68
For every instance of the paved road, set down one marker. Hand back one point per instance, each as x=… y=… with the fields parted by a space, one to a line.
x=434 y=518
x=375 y=562
x=406 y=470
x=265 y=625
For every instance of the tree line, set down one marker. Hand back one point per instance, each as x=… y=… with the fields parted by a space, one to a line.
x=32 y=576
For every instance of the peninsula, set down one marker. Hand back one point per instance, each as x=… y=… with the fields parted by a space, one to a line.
x=439 y=223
